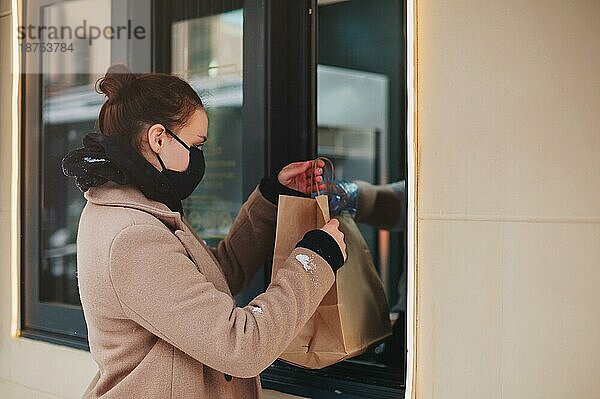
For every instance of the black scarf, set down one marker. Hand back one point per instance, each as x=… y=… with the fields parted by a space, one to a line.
x=104 y=158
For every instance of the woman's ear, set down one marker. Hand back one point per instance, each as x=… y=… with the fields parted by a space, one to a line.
x=156 y=137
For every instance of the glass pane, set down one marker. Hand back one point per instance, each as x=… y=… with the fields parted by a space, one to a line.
x=360 y=117
x=70 y=107
x=208 y=53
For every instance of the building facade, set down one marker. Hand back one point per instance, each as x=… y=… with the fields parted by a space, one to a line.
x=490 y=117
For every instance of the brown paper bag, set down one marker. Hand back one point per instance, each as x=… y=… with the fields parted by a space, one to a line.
x=354 y=314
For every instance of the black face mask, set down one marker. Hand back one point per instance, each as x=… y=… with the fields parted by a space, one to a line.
x=186 y=182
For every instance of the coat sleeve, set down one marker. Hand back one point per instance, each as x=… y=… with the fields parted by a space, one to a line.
x=250 y=241
x=161 y=289
x=382 y=206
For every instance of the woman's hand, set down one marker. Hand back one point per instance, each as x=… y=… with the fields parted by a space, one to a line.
x=297 y=176
x=333 y=229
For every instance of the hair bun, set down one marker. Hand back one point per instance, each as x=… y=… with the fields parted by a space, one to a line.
x=117 y=79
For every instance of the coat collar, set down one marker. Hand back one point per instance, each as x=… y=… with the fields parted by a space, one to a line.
x=128 y=195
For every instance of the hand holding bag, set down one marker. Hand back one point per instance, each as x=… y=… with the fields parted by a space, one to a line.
x=354 y=314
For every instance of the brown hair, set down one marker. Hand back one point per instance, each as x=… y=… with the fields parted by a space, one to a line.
x=137 y=100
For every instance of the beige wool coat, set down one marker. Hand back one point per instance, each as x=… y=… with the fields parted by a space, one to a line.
x=158 y=302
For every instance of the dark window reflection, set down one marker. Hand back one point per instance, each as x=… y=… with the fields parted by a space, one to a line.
x=360 y=103
x=70 y=107
x=208 y=52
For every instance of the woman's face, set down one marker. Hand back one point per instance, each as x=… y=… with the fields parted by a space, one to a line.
x=174 y=155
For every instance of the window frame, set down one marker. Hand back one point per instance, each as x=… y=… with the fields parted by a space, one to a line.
x=61 y=324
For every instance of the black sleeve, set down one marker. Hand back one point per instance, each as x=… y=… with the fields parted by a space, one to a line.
x=271 y=188
x=325 y=245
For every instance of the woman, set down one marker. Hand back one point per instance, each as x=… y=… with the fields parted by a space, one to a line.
x=158 y=302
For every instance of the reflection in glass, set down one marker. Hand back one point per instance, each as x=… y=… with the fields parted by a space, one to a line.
x=70 y=107
x=207 y=52
x=359 y=117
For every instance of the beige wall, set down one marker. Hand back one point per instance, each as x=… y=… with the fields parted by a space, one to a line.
x=508 y=199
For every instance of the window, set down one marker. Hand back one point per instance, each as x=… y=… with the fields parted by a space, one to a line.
x=60 y=106
x=207 y=52
x=361 y=126
x=282 y=81
x=360 y=88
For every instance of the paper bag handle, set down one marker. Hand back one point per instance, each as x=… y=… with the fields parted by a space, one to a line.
x=328 y=182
